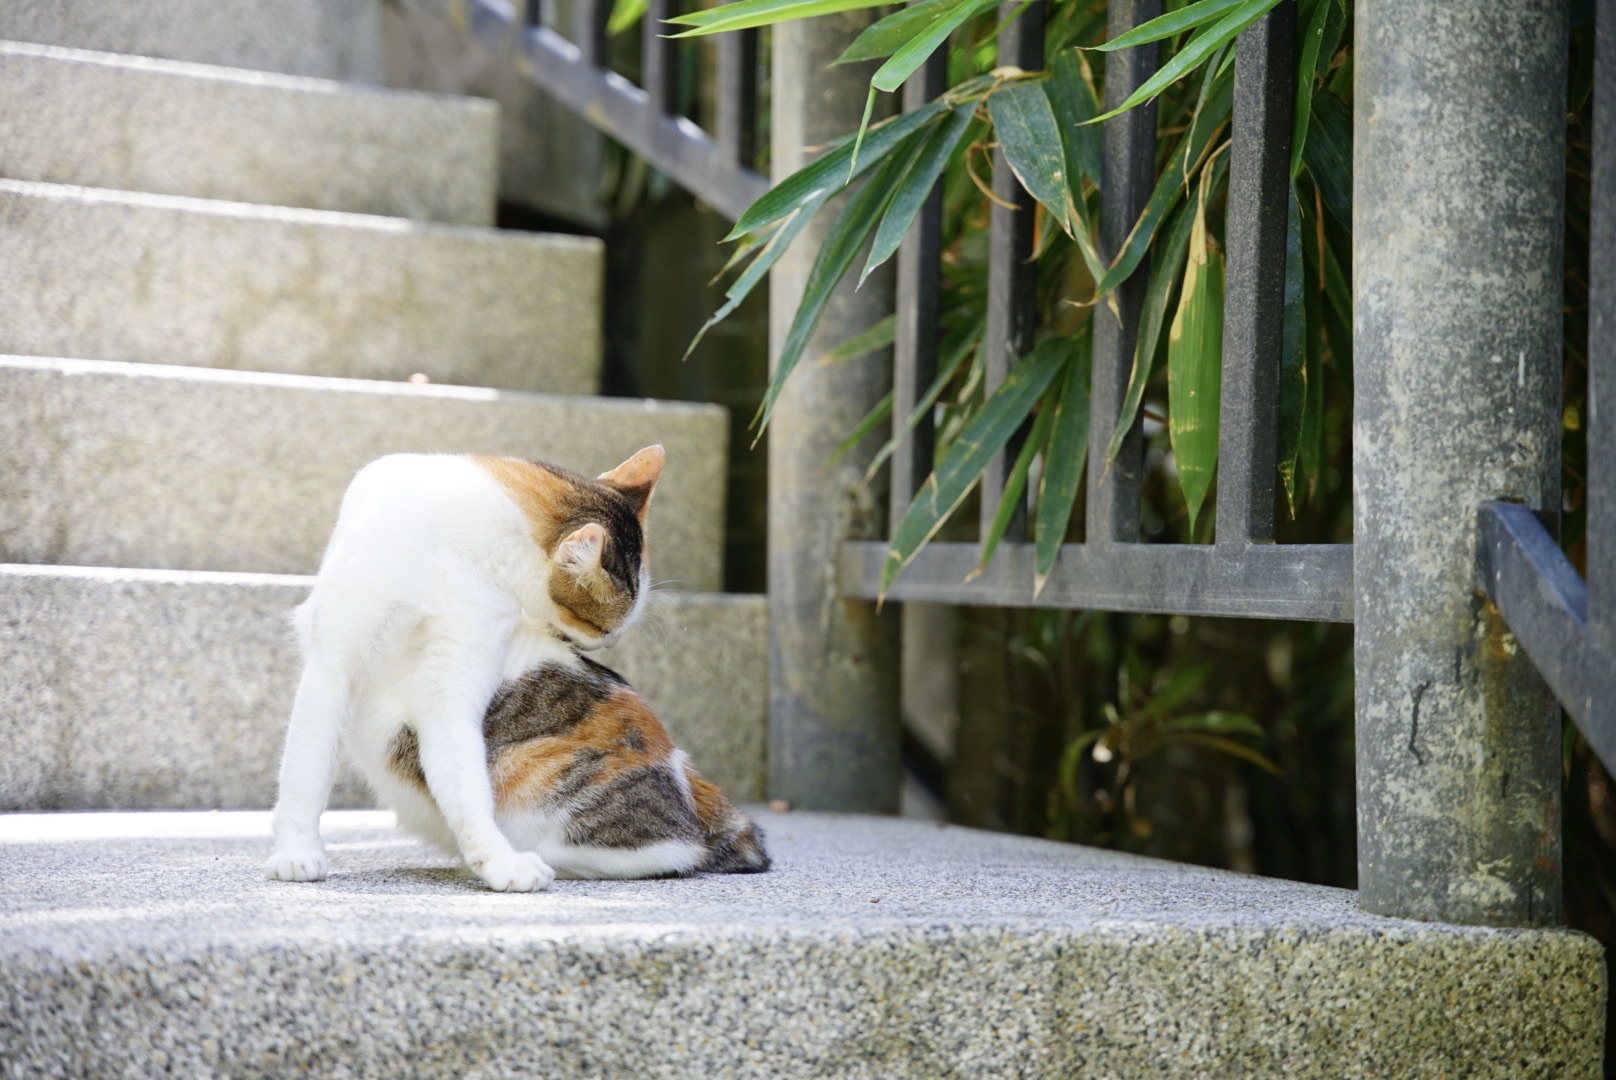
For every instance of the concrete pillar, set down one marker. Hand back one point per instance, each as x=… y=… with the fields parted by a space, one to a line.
x=833 y=664
x=1457 y=214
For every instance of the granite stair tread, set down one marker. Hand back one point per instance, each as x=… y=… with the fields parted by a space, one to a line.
x=161 y=466
x=166 y=279
x=333 y=39
x=875 y=947
x=180 y=128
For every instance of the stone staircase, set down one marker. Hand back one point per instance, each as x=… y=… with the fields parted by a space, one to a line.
x=224 y=254
x=225 y=290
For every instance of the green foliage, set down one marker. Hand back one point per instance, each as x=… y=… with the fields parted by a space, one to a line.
x=1195 y=363
x=1045 y=125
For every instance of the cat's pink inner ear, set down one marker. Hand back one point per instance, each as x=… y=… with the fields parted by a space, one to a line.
x=637 y=476
x=580 y=549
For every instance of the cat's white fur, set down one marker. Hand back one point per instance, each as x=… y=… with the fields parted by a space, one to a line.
x=431 y=593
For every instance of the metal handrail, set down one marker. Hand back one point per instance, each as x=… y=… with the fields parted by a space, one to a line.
x=718 y=170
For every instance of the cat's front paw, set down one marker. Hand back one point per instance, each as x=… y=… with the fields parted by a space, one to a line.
x=296 y=864
x=520 y=871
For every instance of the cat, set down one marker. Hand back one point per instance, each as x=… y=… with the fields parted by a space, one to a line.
x=585 y=775
x=447 y=578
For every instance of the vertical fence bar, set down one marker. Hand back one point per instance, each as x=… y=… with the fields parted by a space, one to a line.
x=589 y=19
x=1254 y=305
x=1128 y=165
x=1601 y=493
x=659 y=58
x=1012 y=277
x=533 y=12
x=737 y=96
x=920 y=283
x=1457 y=296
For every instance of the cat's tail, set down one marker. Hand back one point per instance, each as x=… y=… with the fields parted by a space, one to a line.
x=734 y=843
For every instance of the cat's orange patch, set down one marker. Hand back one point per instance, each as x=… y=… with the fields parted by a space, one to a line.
x=622 y=725
x=540 y=494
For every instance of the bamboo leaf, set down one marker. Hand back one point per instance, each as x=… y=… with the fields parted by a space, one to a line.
x=1171 y=184
x=841 y=244
x=1310 y=457
x=961 y=466
x=749 y=13
x=872 y=420
x=1195 y=364
x=1306 y=67
x=1292 y=354
x=1207 y=41
x=1219 y=722
x=891 y=33
x=1015 y=484
x=1063 y=464
x=877 y=336
x=1328 y=154
x=915 y=185
x=742 y=286
x=1166 y=269
x=1074 y=105
x=928 y=400
x=1166 y=26
x=625 y=13
x=1177 y=689
x=912 y=54
x=1032 y=146
x=829 y=173
x=1227 y=746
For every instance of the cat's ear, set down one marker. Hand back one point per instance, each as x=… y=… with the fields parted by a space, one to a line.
x=579 y=551
x=637 y=477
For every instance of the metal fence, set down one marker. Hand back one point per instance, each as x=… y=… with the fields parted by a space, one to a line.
x=1243 y=573
x=1566 y=625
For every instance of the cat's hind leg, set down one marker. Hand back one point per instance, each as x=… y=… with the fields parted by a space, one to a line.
x=308 y=765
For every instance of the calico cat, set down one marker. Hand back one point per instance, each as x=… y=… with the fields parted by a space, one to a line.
x=450 y=577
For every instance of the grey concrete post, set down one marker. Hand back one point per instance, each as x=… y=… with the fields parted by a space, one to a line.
x=833 y=663
x=1458 y=162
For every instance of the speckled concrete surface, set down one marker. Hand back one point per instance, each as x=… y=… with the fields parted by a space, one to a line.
x=333 y=39
x=177 y=128
x=164 y=279
x=138 y=943
x=110 y=464
x=146 y=689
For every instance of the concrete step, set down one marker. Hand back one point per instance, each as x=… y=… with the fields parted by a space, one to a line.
x=139 y=689
x=113 y=275
x=110 y=464
x=145 y=944
x=332 y=39
x=176 y=128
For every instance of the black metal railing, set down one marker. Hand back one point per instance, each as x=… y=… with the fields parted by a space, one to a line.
x=716 y=168
x=1567 y=624
x=1243 y=573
